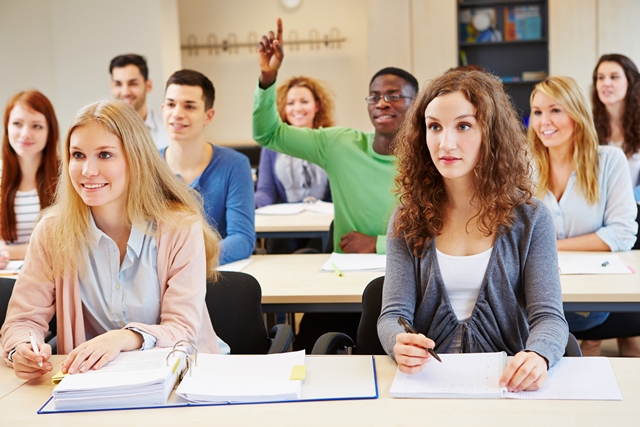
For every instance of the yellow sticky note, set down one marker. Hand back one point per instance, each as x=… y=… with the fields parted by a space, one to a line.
x=57 y=377
x=298 y=372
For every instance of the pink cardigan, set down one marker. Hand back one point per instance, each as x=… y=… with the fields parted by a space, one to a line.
x=181 y=272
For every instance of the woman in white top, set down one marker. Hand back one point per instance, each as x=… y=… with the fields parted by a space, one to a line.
x=29 y=169
x=471 y=259
x=615 y=96
x=587 y=187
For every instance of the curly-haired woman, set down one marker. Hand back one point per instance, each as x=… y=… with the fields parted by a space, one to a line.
x=471 y=255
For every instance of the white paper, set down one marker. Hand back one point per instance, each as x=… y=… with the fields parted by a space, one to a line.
x=296 y=208
x=236 y=265
x=585 y=263
x=242 y=378
x=477 y=375
x=13 y=267
x=355 y=262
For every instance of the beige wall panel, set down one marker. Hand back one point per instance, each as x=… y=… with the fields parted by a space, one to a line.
x=618 y=28
x=235 y=75
x=389 y=35
x=434 y=37
x=572 y=39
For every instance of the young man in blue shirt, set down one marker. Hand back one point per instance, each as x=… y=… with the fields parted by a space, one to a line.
x=221 y=175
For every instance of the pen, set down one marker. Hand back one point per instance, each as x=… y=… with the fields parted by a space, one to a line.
x=336 y=269
x=604 y=264
x=408 y=329
x=34 y=345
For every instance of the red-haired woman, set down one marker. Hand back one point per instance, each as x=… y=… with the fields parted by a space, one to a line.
x=29 y=169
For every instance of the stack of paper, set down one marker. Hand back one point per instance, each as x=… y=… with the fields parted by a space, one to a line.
x=12 y=268
x=133 y=379
x=477 y=375
x=355 y=262
x=261 y=378
x=296 y=208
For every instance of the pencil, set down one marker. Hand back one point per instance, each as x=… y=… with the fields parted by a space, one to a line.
x=336 y=269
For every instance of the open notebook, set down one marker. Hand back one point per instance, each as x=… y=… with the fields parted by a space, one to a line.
x=476 y=376
x=296 y=208
x=216 y=380
x=584 y=263
x=355 y=262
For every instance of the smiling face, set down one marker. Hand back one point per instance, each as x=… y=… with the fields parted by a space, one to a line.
x=454 y=136
x=98 y=168
x=128 y=85
x=184 y=113
x=550 y=122
x=387 y=116
x=301 y=107
x=27 y=131
x=611 y=83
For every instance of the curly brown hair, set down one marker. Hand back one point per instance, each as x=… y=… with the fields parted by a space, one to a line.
x=502 y=174
x=322 y=95
x=631 y=117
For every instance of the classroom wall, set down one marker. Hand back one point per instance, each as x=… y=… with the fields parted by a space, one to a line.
x=235 y=75
x=68 y=45
x=66 y=49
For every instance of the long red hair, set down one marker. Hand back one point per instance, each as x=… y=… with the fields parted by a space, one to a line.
x=47 y=174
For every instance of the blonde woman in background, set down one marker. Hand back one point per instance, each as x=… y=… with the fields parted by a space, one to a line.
x=587 y=187
x=122 y=257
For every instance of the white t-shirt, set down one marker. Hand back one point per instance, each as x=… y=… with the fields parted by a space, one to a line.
x=27 y=208
x=463 y=276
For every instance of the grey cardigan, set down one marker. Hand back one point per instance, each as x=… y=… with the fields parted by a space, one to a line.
x=519 y=306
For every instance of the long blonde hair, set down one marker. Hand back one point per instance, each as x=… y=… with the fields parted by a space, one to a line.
x=154 y=193
x=568 y=94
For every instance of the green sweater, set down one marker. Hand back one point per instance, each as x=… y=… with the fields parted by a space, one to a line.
x=361 y=179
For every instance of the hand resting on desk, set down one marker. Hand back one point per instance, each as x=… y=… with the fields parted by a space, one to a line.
x=99 y=351
x=411 y=353
x=526 y=371
x=359 y=243
x=25 y=361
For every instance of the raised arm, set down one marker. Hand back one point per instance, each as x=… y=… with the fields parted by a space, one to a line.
x=270 y=55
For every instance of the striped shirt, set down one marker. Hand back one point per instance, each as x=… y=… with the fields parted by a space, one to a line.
x=27 y=208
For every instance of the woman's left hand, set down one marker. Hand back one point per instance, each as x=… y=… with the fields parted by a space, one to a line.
x=99 y=351
x=527 y=370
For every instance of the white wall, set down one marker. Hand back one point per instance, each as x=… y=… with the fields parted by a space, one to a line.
x=235 y=76
x=63 y=47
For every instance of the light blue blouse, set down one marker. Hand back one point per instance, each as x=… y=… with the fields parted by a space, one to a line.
x=612 y=218
x=115 y=294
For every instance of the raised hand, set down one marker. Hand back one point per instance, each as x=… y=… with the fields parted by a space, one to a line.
x=270 y=55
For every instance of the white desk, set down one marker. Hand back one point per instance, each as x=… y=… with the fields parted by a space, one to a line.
x=19 y=409
x=303 y=225
x=294 y=283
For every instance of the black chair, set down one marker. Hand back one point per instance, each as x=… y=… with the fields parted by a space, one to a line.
x=367 y=341
x=637 y=244
x=235 y=308
x=6 y=289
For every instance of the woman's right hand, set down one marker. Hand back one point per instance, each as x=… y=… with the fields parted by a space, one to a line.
x=411 y=353
x=270 y=55
x=25 y=361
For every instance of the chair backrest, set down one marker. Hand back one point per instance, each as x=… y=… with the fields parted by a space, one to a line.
x=367 y=341
x=6 y=289
x=573 y=348
x=329 y=247
x=235 y=309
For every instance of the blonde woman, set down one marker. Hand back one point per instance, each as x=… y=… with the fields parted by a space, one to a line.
x=587 y=187
x=121 y=257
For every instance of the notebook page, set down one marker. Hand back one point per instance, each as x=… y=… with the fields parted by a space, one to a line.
x=570 y=263
x=244 y=378
x=281 y=209
x=355 y=262
x=320 y=207
x=469 y=375
x=577 y=378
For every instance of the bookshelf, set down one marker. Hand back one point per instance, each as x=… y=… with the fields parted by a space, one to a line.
x=509 y=40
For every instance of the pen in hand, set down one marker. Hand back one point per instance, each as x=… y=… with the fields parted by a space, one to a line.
x=34 y=345
x=408 y=329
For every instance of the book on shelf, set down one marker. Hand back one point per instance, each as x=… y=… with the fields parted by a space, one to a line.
x=522 y=23
x=479 y=25
x=477 y=376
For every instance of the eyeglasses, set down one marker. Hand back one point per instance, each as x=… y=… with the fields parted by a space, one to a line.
x=374 y=99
